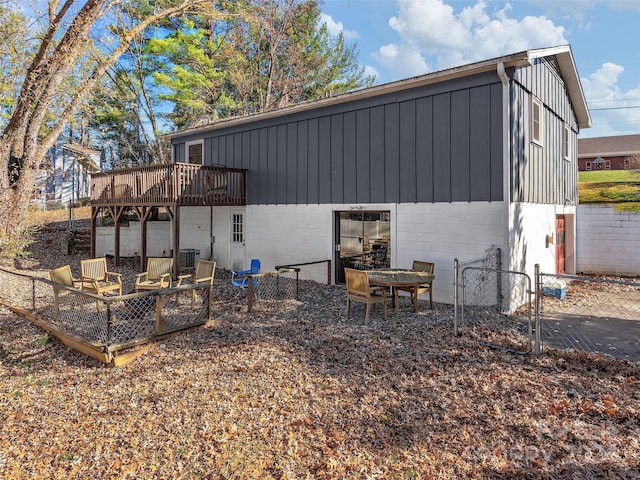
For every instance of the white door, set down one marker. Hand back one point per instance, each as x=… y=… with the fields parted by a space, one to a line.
x=238 y=252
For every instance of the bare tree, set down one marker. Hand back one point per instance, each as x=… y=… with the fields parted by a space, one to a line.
x=634 y=162
x=93 y=33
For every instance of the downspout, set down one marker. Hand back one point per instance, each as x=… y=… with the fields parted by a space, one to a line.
x=506 y=157
x=211 y=233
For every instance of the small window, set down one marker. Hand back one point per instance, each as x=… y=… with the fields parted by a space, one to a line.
x=607 y=165
x=237 y=235
x=587 y=166
x=565 y=143
x=194 y=152
x=627 y=164
x=536 y=121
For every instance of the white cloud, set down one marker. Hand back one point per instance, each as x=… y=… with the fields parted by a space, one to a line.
x=337 y=27
x=432 y=28
x=601 y=84
x=602 y=91
x=371 y=71
x=402 y=61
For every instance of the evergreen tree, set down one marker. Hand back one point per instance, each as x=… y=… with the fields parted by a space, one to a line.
x=266 y=54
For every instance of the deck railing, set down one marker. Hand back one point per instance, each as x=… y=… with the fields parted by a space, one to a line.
x=176 y=183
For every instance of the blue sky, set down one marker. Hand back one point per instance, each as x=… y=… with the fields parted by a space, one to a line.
x=401 y=38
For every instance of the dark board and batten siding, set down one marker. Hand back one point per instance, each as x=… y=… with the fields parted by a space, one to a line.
x=540 y=173
x=437 y=143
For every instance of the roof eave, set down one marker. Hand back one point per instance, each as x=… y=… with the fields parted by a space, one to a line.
x=571 y=78
x=521 y=59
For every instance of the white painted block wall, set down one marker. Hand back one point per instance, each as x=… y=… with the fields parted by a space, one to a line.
x=159 y=241
x=442 y=232
x=282 y=234
x=608 y=242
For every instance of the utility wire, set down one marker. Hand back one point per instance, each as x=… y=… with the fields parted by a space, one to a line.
x=614 y=108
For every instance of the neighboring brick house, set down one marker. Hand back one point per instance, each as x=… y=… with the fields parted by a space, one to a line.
x=436 y=167
x=620 y=152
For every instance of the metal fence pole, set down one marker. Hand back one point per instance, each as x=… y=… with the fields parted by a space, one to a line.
x=455 y=297
x=537 y=302
x=499 y=279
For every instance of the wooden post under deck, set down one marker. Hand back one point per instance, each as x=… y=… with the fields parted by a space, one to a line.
x=94 y=215
x=143 y=213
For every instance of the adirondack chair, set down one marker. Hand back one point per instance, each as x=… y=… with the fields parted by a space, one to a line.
x=63 y=276
x=96 y=278
x=157 y=275
x=204 y=274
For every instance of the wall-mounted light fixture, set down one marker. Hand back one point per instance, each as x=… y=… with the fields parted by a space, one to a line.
x=548 y=240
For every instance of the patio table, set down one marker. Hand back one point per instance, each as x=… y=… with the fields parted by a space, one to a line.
x=399 y=278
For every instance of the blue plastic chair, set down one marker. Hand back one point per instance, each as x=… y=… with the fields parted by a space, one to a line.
x=240 y=279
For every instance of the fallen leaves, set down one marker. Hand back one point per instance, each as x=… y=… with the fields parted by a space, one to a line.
x=296 y=391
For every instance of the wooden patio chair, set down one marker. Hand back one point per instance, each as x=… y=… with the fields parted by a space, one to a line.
x=157 y=276
x=97 y=279
x=420 y=266
x=63 y=276
x=359 y=290
x=204 y=274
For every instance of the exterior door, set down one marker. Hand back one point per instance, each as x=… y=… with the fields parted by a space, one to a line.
x=560 y=244
x=238 y=253
x=362 y=241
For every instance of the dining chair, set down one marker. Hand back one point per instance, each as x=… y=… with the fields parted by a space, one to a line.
x=420 y=266
x=97 y=279
x=359 y=290
x=157 y=275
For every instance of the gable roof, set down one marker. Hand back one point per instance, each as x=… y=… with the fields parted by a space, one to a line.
x=562 y=54
x=89 y=157
x=617 y=145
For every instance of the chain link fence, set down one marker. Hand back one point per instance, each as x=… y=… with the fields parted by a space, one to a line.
x=269 y=287
x=595 y=313
x=490 y=261
x=496 y=308
x=318 y=271
x=102 y=326
x=507 y=310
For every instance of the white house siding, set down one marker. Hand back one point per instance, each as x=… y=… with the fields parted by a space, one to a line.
x=438 y=232
x=158 y=244
x=195 y=230
x=531 y=223
x=286 y=234
x=608 y=241
x=427 y=231
x=442 y=232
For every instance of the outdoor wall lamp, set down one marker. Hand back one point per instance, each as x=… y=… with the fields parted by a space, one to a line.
x=548 y=240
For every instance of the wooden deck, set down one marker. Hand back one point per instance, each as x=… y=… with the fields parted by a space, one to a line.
x=175 y=184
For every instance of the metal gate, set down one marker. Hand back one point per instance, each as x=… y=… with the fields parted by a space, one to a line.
x=496 y=308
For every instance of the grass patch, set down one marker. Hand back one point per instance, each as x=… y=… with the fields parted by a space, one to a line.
x=618 y=187
x=609 y=176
